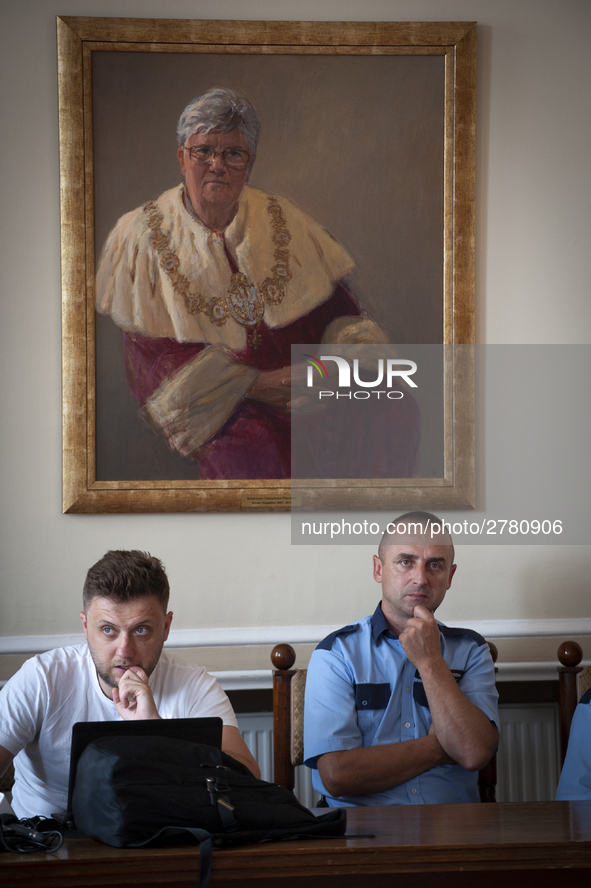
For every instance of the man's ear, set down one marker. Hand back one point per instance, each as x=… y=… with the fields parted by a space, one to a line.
x=167 y=622
x=84 y=624
x=452 y=571
x=377 y=569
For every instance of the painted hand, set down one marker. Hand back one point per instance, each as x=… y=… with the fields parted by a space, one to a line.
x=277 y=388
x=273 y=387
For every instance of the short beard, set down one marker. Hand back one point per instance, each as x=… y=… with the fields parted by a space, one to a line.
x=109 y=679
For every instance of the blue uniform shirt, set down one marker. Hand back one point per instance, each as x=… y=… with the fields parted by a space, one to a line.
x=362 y=690
x=575 y=780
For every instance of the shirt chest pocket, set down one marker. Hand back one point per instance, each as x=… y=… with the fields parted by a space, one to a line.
x=371 y=696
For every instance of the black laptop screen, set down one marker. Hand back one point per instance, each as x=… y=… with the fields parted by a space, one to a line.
x=197 y=730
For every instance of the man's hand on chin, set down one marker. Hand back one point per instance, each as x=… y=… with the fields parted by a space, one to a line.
x=133 y=698
x=420 y=639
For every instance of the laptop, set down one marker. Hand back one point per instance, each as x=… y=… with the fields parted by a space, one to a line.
x=197 y=730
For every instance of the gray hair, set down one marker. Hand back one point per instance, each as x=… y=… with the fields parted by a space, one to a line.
x=219 y=111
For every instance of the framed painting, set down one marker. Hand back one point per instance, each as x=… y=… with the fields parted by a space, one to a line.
x=230 y=190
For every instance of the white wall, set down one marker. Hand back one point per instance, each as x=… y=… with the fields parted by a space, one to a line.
x=533 y=274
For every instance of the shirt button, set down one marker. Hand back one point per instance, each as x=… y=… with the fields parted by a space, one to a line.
x=413 y=790
x=364 y=702
x=407 y=689
x=407 y=725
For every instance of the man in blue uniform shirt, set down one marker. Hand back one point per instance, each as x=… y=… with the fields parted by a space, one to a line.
x=401 y=709
x=575 y=780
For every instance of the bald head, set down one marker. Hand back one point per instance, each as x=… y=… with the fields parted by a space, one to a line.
x=416 y=529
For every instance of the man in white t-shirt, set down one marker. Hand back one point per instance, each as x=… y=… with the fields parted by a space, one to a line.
x=120 y=673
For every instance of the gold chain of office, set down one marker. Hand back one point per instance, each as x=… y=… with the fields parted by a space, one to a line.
x=244 y=302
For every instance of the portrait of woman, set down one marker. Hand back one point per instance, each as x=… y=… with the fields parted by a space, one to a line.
x=212 y=281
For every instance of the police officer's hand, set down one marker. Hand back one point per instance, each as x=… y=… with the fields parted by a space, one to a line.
x=421 y=639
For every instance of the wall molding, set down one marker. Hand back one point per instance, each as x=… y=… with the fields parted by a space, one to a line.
x=264 y=635
x=256 y=679
x=239 y=679
x=533 y=670
x=244 y=680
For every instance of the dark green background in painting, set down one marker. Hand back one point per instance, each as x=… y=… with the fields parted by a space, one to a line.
x=355 y=141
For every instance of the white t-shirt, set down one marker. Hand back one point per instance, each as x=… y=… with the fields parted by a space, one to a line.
x=53 y=691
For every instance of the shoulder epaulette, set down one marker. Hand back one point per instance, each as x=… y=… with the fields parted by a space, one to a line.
x=586 y=698
x=457 y=631
x=327 y=643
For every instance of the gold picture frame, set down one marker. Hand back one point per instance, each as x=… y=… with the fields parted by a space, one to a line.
x=79 y=38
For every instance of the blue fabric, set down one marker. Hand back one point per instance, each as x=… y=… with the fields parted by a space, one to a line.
x=575 y=780
x=362 y=690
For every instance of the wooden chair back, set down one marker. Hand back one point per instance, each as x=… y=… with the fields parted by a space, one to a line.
x=288 y=723
x=573 y=681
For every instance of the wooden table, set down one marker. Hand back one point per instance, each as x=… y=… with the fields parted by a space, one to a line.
x=521 y=844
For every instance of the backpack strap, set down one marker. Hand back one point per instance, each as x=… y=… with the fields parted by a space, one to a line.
x=203 y=838
x=218 y=790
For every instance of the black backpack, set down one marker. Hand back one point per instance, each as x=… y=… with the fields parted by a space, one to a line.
x=131 y=792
